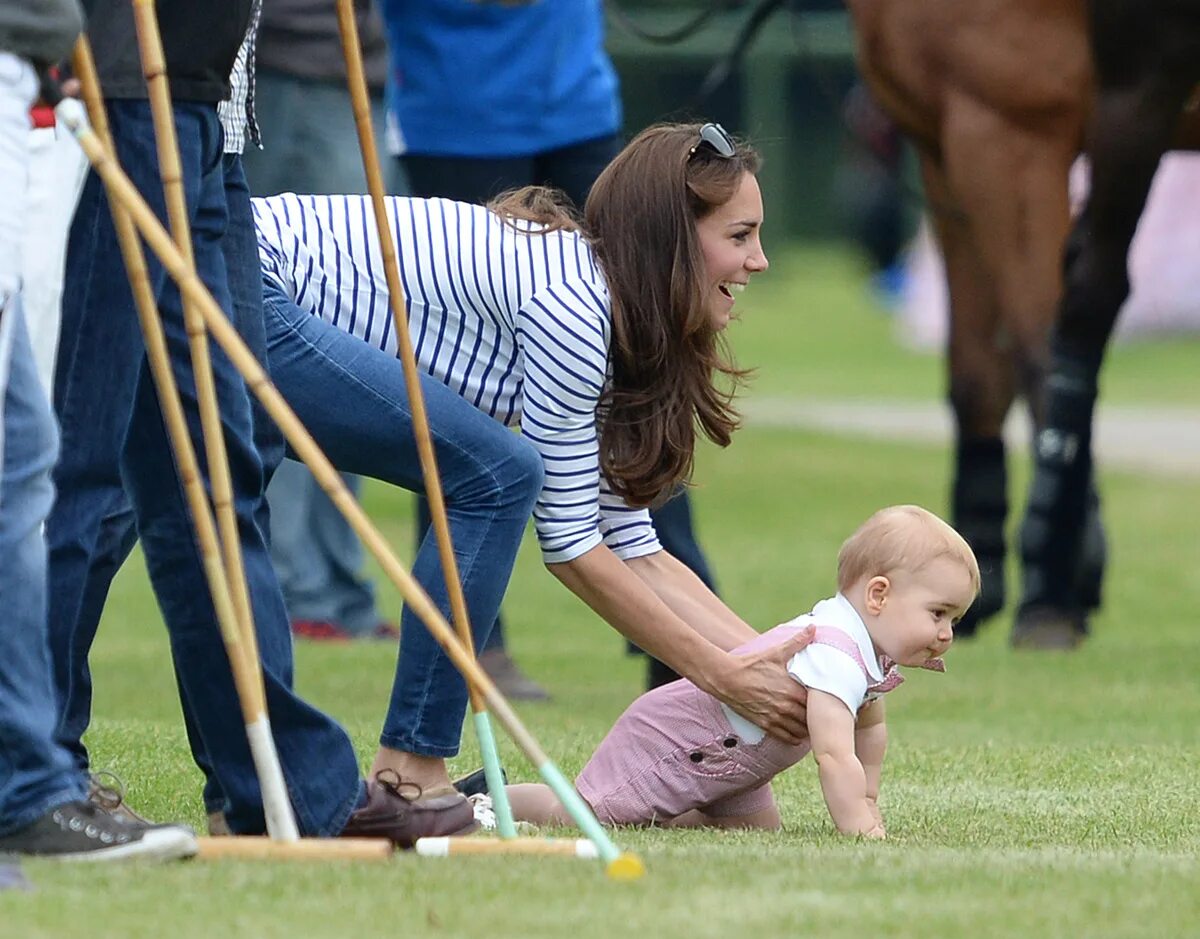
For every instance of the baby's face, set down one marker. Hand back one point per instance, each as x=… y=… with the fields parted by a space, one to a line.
x=915 y=622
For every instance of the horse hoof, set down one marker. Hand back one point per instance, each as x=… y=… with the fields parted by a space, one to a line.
x=1049 y=628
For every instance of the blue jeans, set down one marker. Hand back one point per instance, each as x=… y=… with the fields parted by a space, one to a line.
x=353 y=399
x=312 y=147
x=113 y=437
x=35 y=773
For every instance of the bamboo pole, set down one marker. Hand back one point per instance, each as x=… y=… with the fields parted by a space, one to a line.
x=306 y=849
x=356 y=76
x=618 y=864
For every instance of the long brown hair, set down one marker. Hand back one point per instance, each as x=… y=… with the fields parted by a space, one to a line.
x=671 y=371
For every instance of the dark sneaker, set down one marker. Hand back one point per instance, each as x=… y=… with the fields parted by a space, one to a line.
x=506 y=675
x=81 y=831
x=403 y=818
x=107 y=792
x=475 y=783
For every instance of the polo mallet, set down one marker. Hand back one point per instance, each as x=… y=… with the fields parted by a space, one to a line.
x=356 y=76
x=618 y=865
x=247 y=678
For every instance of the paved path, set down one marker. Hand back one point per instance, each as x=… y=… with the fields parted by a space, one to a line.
x=1155 y=440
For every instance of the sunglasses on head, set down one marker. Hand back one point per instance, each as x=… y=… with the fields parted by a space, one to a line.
x=717 y=139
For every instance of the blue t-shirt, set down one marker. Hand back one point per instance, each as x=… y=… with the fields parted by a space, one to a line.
x=497 y=80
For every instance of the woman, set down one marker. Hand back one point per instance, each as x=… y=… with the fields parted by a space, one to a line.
x=600 y=339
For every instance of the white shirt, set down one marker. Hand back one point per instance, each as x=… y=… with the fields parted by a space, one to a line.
x=516 y=322
x=823 y=667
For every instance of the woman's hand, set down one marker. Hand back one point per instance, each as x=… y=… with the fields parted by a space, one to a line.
x=760 y=689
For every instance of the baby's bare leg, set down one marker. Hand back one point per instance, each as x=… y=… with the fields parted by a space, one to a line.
x=767 y=819
x=537 y=803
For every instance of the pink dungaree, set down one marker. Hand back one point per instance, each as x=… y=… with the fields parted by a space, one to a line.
x=673 y=750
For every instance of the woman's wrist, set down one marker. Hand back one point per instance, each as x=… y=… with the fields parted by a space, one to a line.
x=713 y=672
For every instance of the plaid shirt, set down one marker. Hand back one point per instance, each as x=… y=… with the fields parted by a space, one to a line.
x=237 y=113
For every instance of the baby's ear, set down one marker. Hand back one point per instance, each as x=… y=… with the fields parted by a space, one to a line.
x=876 y=591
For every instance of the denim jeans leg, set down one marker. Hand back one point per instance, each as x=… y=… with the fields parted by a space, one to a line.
x=319 y=764
x=90 y=530
x=239 y=248
x=491 y=479
x=35 y=773
x=424 y=520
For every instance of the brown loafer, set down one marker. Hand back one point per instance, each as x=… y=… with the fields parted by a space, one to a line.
x=402 y=819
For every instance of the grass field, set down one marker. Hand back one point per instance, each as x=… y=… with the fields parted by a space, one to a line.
x=1033 y=795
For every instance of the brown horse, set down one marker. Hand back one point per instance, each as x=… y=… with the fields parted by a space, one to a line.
x=996 y=95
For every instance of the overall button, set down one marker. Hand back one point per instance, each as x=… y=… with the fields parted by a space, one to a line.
x=730 y=742
x=697 y=757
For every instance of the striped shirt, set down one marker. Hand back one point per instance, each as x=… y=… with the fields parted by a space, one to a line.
x=515 y=321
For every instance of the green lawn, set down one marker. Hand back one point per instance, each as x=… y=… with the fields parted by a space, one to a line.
x=1026 y=794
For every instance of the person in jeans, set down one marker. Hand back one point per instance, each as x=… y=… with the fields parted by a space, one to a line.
x=43 y=795
x=115 y=448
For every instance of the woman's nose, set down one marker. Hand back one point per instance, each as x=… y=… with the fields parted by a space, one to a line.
x=757 y=262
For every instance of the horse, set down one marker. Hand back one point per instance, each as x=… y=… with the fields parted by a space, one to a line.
x=996 y=96
x=1147 y=65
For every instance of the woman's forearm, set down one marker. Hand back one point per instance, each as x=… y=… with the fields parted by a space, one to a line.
x=623 y=599
x=689 y=598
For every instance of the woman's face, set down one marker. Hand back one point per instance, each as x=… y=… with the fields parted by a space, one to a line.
x=732 y=250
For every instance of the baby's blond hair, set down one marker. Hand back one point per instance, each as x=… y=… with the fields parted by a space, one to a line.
x=901 y=537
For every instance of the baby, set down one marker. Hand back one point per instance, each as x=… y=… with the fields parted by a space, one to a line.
x=680 y=757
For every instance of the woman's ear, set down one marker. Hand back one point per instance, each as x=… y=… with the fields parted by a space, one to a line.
x=876 y=591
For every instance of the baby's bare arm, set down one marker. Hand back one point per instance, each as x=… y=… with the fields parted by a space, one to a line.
x=870 y=744
x=843 y=779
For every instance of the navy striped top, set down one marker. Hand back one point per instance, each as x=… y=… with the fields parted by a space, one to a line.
x=515 y=321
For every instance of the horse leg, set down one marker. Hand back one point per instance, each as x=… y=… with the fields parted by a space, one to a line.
x=980 y=391
x=1021 y=231
x=1136 y=112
